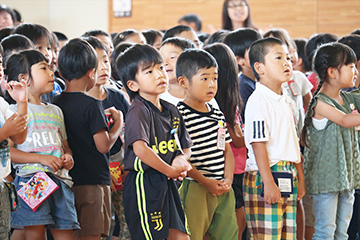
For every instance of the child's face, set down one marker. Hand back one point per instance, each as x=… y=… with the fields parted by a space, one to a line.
x=44 y=47
x=238 y=11
x=191 y=35
x=6 y=20
x=103 y=71
x=203 y=85
x=348 y=75
x=151 y=81
x=170 y=54
x=42 y=79
x=277 y=67
x=108 y=43
x=157 y=42
x=55 y=53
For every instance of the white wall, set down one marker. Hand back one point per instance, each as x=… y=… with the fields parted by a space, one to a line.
x=72 y=17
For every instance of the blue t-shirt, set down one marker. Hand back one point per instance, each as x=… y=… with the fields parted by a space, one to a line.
x=247 y=87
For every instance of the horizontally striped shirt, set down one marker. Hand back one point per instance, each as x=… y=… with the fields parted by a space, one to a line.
x=203 y=130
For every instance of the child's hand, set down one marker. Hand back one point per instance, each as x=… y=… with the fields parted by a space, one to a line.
x=113 y=183
x=116 y=115
x=180 y=162
x=15 y=124
x=53 y=162
x=17 y=90
x=68 y=161
x=272 y=193
x=301 y=189
x=226 y=185
x=214 y=187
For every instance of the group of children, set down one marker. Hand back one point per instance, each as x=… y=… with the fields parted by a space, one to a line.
x=231 y=140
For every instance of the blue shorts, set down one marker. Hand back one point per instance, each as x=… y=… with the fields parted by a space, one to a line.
x=56 y=212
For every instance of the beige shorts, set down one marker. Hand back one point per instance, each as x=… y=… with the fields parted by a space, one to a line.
x=93 y=208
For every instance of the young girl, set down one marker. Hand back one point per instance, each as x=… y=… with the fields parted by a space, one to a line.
x=229 y=100
x=45 y=149
x=331 y=158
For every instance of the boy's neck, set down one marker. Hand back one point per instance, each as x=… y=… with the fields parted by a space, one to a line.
x=177 y=91
x=154 y=99
x=97 y=92
x=77 y=85
x=197 y=105
x=275 y=87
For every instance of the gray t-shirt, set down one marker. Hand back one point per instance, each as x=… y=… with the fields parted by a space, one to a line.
x=46 y=133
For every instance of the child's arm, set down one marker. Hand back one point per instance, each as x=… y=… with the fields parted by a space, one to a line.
x=236 y=136
x=18 y=156
x=229 y=168
x=148 y=156
x=68 y=161
x=271 y=191
x=105 y=140
x=18 y=123
x=182 y=161
x=301 y=179
x=324 y=110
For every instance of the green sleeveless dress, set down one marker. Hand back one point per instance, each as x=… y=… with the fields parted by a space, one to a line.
x=331 y=160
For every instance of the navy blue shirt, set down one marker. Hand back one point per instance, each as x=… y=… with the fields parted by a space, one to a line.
x=247 y=87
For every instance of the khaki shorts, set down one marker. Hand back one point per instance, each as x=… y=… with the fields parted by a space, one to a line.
x=93 y=206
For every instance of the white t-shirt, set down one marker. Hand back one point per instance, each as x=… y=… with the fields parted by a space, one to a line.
x=270 y=118
x=5 y=113
x=303 y=86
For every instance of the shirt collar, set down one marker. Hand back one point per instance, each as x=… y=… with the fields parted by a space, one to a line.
x=262 y=88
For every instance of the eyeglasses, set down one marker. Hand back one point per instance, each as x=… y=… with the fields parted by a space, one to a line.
x=241 y=4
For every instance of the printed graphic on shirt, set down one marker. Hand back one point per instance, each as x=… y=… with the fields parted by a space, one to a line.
x=156 y=217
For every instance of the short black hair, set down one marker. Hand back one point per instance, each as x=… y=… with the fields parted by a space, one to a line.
x=95 y=32
x=217 y=37
x=179 y=42
x=151 y=35
x=300 y=46
x=316 y=41
x=15 y=43
x=1 y=50
x=33 y=31
x=5 y=32
x=259 y=49
x=61 y=36
x=241 y=39
x=18 y=16
x=95 y=43
x=173 y=32
x=134 y=58
x=353 y=41
x=192 y=18
x=120 y=48
x=191 y=61
x=356 y=31
x=76 y=58
x=122 y=36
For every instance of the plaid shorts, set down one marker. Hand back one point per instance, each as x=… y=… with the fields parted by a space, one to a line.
x=269 y=221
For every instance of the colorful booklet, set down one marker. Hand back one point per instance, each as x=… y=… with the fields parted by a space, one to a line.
x=37 y=189
x=115 y=171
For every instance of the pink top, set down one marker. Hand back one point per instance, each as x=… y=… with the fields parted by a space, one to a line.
x=239 y=153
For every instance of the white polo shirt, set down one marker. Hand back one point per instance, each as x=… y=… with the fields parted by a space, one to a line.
x=270 y=118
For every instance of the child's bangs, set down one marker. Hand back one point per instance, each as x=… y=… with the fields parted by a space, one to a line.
x=349 y=55
x=34 y=57
x=150 y=58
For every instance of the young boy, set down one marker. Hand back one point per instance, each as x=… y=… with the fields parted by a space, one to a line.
x=157 y=147
x=273 y=146
x=89 y=138
x=240 y=41
x=110 y=98
x=206 y=193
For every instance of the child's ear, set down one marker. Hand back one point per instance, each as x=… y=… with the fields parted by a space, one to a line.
x=25 y=77
x=259 y=68
x=332 y=72
x=299 y=63
x=132 y=85
x=183 y=82
x=91 y=74
x=240 y=61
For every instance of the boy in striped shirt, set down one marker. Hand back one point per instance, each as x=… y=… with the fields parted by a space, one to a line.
x=206 y=192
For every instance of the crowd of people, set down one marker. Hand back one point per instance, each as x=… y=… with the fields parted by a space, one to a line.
x=179 y=134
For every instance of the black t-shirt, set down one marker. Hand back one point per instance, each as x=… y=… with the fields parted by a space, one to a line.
x=114 y=98
x=145 y=122
x=84 y=116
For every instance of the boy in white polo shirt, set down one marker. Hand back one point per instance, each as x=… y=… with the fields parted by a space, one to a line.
x=270 y=186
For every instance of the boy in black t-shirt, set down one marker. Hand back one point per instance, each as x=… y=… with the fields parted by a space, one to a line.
x=89 y=138
x=157 y=148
